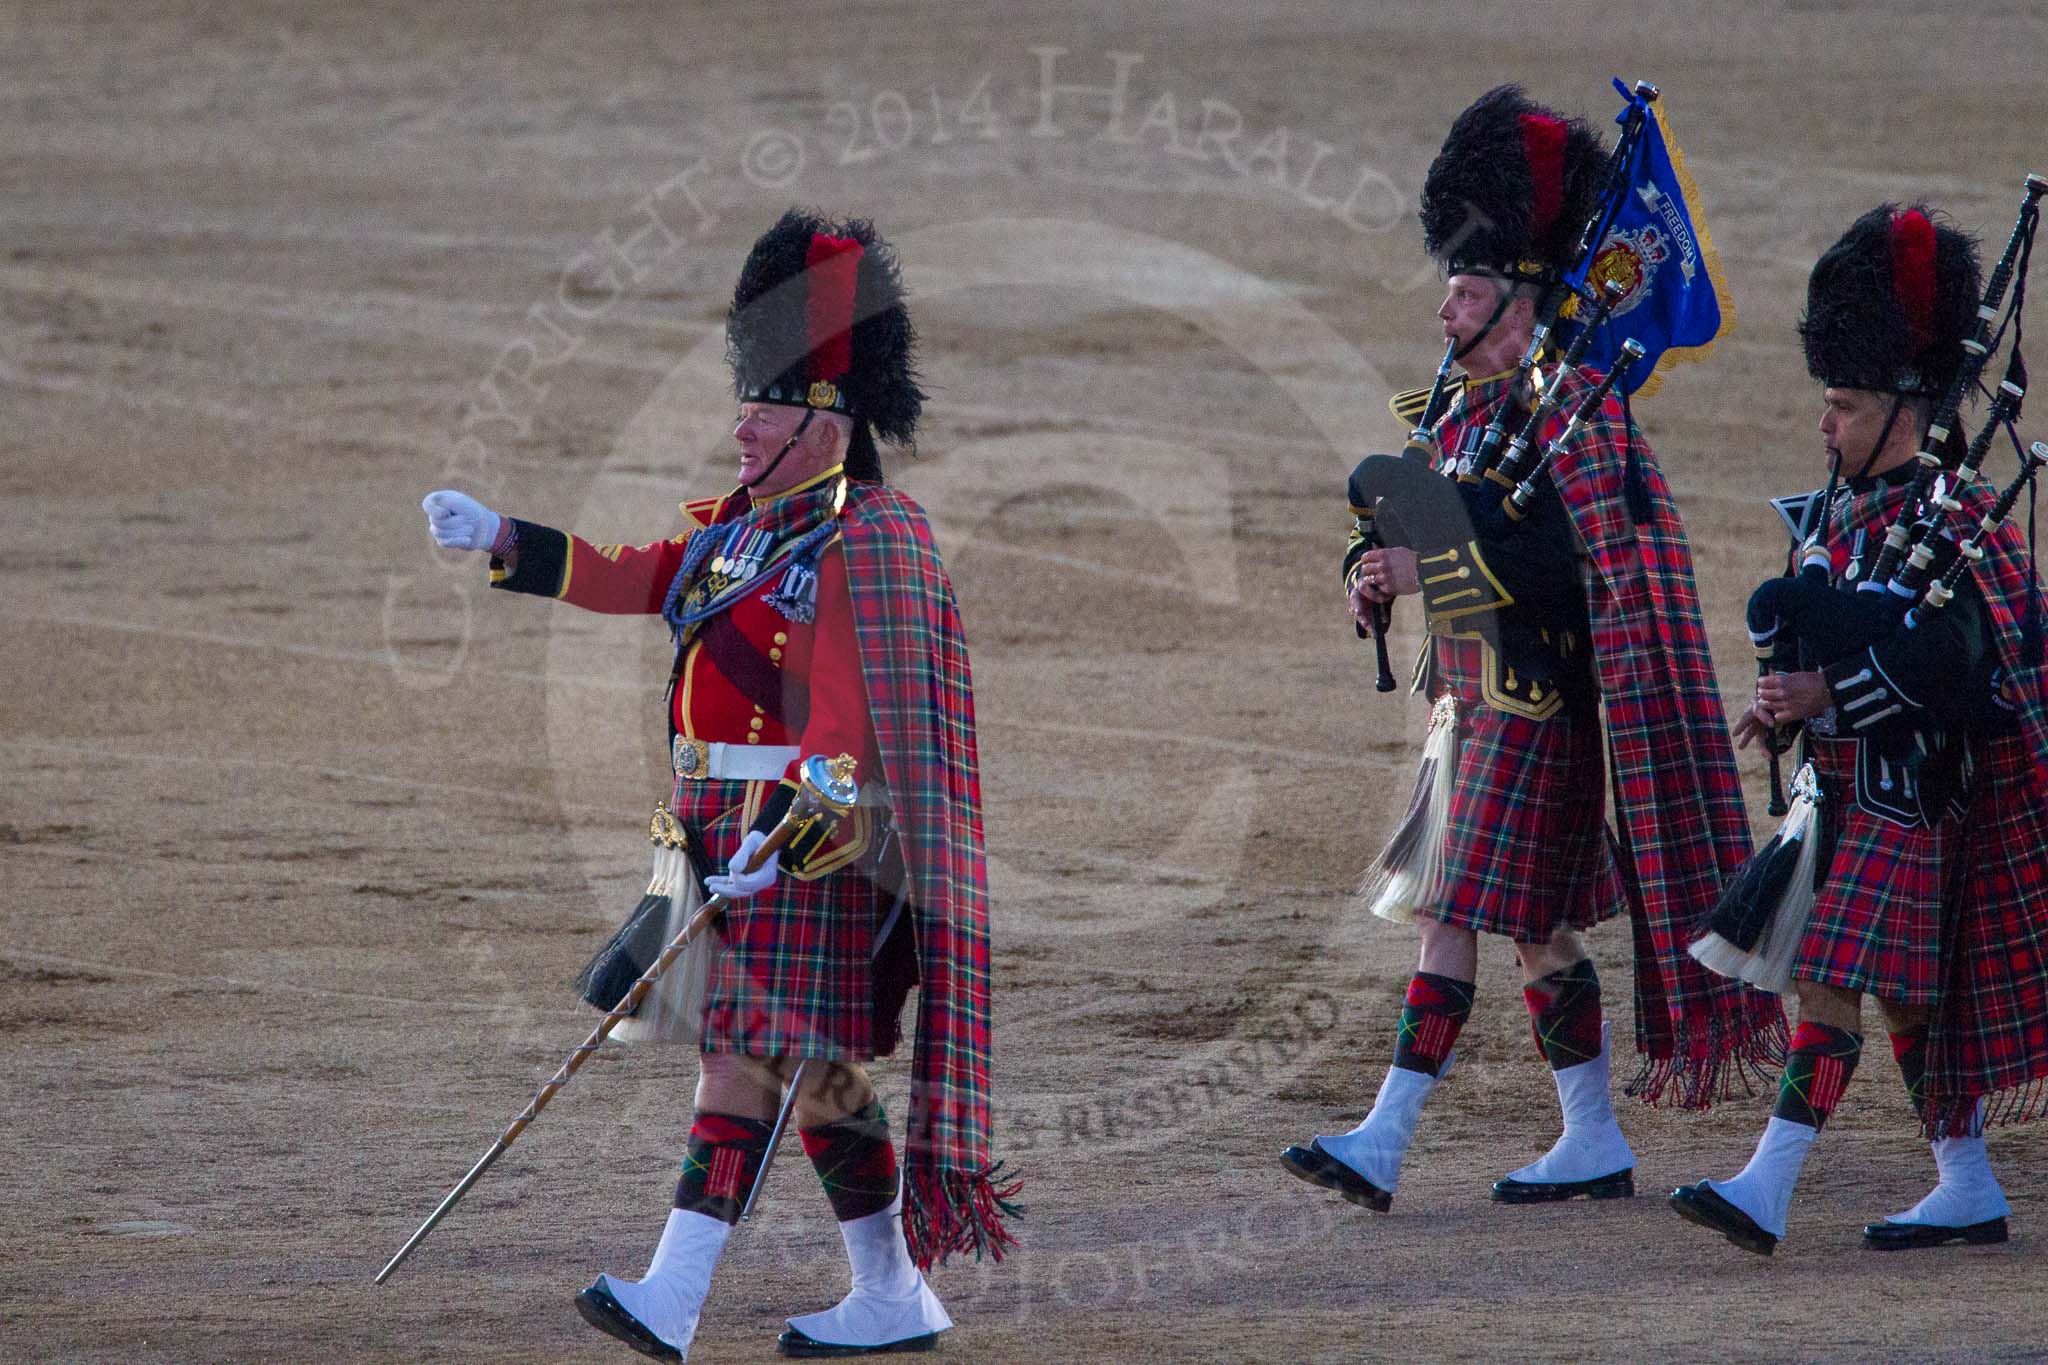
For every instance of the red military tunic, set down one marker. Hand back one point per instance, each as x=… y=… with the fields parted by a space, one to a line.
x=795 y=976
x=706 y=704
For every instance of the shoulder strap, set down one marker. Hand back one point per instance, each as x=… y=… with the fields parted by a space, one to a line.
x=783 y=697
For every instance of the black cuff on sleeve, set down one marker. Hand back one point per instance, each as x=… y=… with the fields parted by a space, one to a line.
x=539 y=563
x=1863 y=695
x=773 y=807
x=811 y=836
x=1457 y=581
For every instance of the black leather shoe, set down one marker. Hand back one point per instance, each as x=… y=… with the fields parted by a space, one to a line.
x=598 y=1308
x=1889 y=1236
x=1699 y=1204
x=1619 y=1185
x=1318 y=1167
x=795 y=1343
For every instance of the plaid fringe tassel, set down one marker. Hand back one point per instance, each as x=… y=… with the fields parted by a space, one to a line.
x=948 y=1211
x=1742 y=1055
x=1958 y=1117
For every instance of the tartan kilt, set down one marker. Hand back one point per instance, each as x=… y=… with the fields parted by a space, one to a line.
x=1526 y=848
x=1990 y=1029
x=794 y=977
x=1876 y=922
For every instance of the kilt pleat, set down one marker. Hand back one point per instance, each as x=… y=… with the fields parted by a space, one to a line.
x=1877 y=916
x=1526 y=848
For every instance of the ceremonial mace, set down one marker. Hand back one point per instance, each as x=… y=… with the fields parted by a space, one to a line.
x=827 y=788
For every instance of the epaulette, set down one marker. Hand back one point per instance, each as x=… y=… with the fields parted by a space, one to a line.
x=1408 y=404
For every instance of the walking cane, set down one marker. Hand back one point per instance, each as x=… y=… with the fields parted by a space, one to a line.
x=827 y=788
x=774 y=1140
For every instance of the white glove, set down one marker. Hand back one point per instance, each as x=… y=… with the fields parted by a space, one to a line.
x=457 y=521
x=737 y=884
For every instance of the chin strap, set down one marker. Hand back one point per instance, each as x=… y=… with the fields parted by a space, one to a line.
x=1507 y=296
x=787 y=446
x=1877 y=447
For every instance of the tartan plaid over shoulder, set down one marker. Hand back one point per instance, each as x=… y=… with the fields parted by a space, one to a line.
x=921 y=699
x=1678 y=801
x=1988 y=1037
x=2006 y=577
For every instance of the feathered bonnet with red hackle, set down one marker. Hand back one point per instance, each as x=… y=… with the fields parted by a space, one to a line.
x=817 y=321
x=1511 y=189
x=1888 y=306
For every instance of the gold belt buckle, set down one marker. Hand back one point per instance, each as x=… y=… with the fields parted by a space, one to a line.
x=691 y=758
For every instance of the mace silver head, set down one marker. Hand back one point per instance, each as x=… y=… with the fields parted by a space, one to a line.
x=830 y=782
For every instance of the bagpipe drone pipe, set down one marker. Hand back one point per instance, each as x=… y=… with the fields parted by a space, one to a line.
x=1415 y=506
x=1756 y=928
x=1900 y=538
x=1506 y=467
x=1572 y=288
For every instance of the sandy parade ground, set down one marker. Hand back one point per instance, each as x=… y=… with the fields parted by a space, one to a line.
x=303 y=832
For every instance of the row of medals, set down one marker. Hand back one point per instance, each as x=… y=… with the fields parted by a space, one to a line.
x=737 y=561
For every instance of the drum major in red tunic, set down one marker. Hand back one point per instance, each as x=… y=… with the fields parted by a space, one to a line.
x=795 y=977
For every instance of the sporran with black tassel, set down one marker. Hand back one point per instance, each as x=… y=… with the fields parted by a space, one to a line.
x=1757 y=926
x=673 y=1012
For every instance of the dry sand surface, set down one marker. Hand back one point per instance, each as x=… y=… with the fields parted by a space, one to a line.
x=303 y=832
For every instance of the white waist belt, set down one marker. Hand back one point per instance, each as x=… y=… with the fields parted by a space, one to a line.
x=697 y=760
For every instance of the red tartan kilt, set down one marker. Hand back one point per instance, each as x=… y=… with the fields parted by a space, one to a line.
x=1876 y=923
x=1525 y=845
x=793 y=979
x=1991 y=1029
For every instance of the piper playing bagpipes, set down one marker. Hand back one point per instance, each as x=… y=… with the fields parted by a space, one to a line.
x=811 y=615
x=1909 y=651
x=1555 y=582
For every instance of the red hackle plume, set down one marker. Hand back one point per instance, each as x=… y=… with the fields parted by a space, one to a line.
x=1543 y=139
x=1913 y=275
x=833 y=264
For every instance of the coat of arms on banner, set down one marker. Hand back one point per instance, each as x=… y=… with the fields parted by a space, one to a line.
x=1629 y=257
